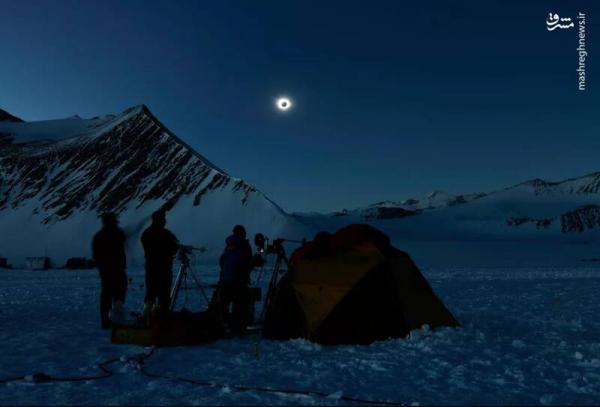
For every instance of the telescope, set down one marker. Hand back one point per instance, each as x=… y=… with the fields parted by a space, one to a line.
x=262 y=244
x=189 y=248
x=185 y=251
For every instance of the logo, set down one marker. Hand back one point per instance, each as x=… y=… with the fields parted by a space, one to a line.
x=554 y=21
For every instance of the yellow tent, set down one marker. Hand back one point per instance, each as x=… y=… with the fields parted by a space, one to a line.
x=352 y=287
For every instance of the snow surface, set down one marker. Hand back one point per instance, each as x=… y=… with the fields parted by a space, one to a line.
x=52 y=130
x=529 y=336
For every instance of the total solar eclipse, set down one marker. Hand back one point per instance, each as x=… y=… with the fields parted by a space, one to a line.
x=284 y=104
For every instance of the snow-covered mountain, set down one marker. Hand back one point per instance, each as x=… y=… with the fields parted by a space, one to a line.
x=532 y=209
x=56 y=176
x=407 y=207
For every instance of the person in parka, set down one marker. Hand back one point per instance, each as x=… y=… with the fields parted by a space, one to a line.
x=236 y=265
x=160 y=248
x=108 y=252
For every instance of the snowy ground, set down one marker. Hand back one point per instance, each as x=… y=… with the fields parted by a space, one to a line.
x=529 y=336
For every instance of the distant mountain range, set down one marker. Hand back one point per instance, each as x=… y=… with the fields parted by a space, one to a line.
x=535 y=209
x=399 y=209
x=56 y=176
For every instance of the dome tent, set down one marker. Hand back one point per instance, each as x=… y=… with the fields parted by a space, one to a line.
x=352 y=287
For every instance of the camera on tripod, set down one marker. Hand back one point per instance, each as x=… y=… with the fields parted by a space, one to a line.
x=262 y=244
x=185 y=269
x=185 y=251
x=263 y=247
x=276 y=247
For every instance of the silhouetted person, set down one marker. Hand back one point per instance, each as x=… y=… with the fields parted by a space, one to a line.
x=160 y=247
x=108 y=248
x=236 y=265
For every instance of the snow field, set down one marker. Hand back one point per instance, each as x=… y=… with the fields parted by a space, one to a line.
x=529 y=336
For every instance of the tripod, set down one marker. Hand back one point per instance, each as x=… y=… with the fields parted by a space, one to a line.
x=281 y=258
x=185 y=271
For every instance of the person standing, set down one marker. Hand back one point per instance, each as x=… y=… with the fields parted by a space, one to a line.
x=108 y=252
x=236 y=265
x=160 y=248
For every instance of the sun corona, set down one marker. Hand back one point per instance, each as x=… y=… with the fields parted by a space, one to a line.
x=283 y=104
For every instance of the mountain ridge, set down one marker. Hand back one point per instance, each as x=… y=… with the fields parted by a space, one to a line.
x=537 y=184
x=60 y=174
x=56 y=176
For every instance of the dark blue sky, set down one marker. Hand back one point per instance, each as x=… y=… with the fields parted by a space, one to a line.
x=392 y=98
